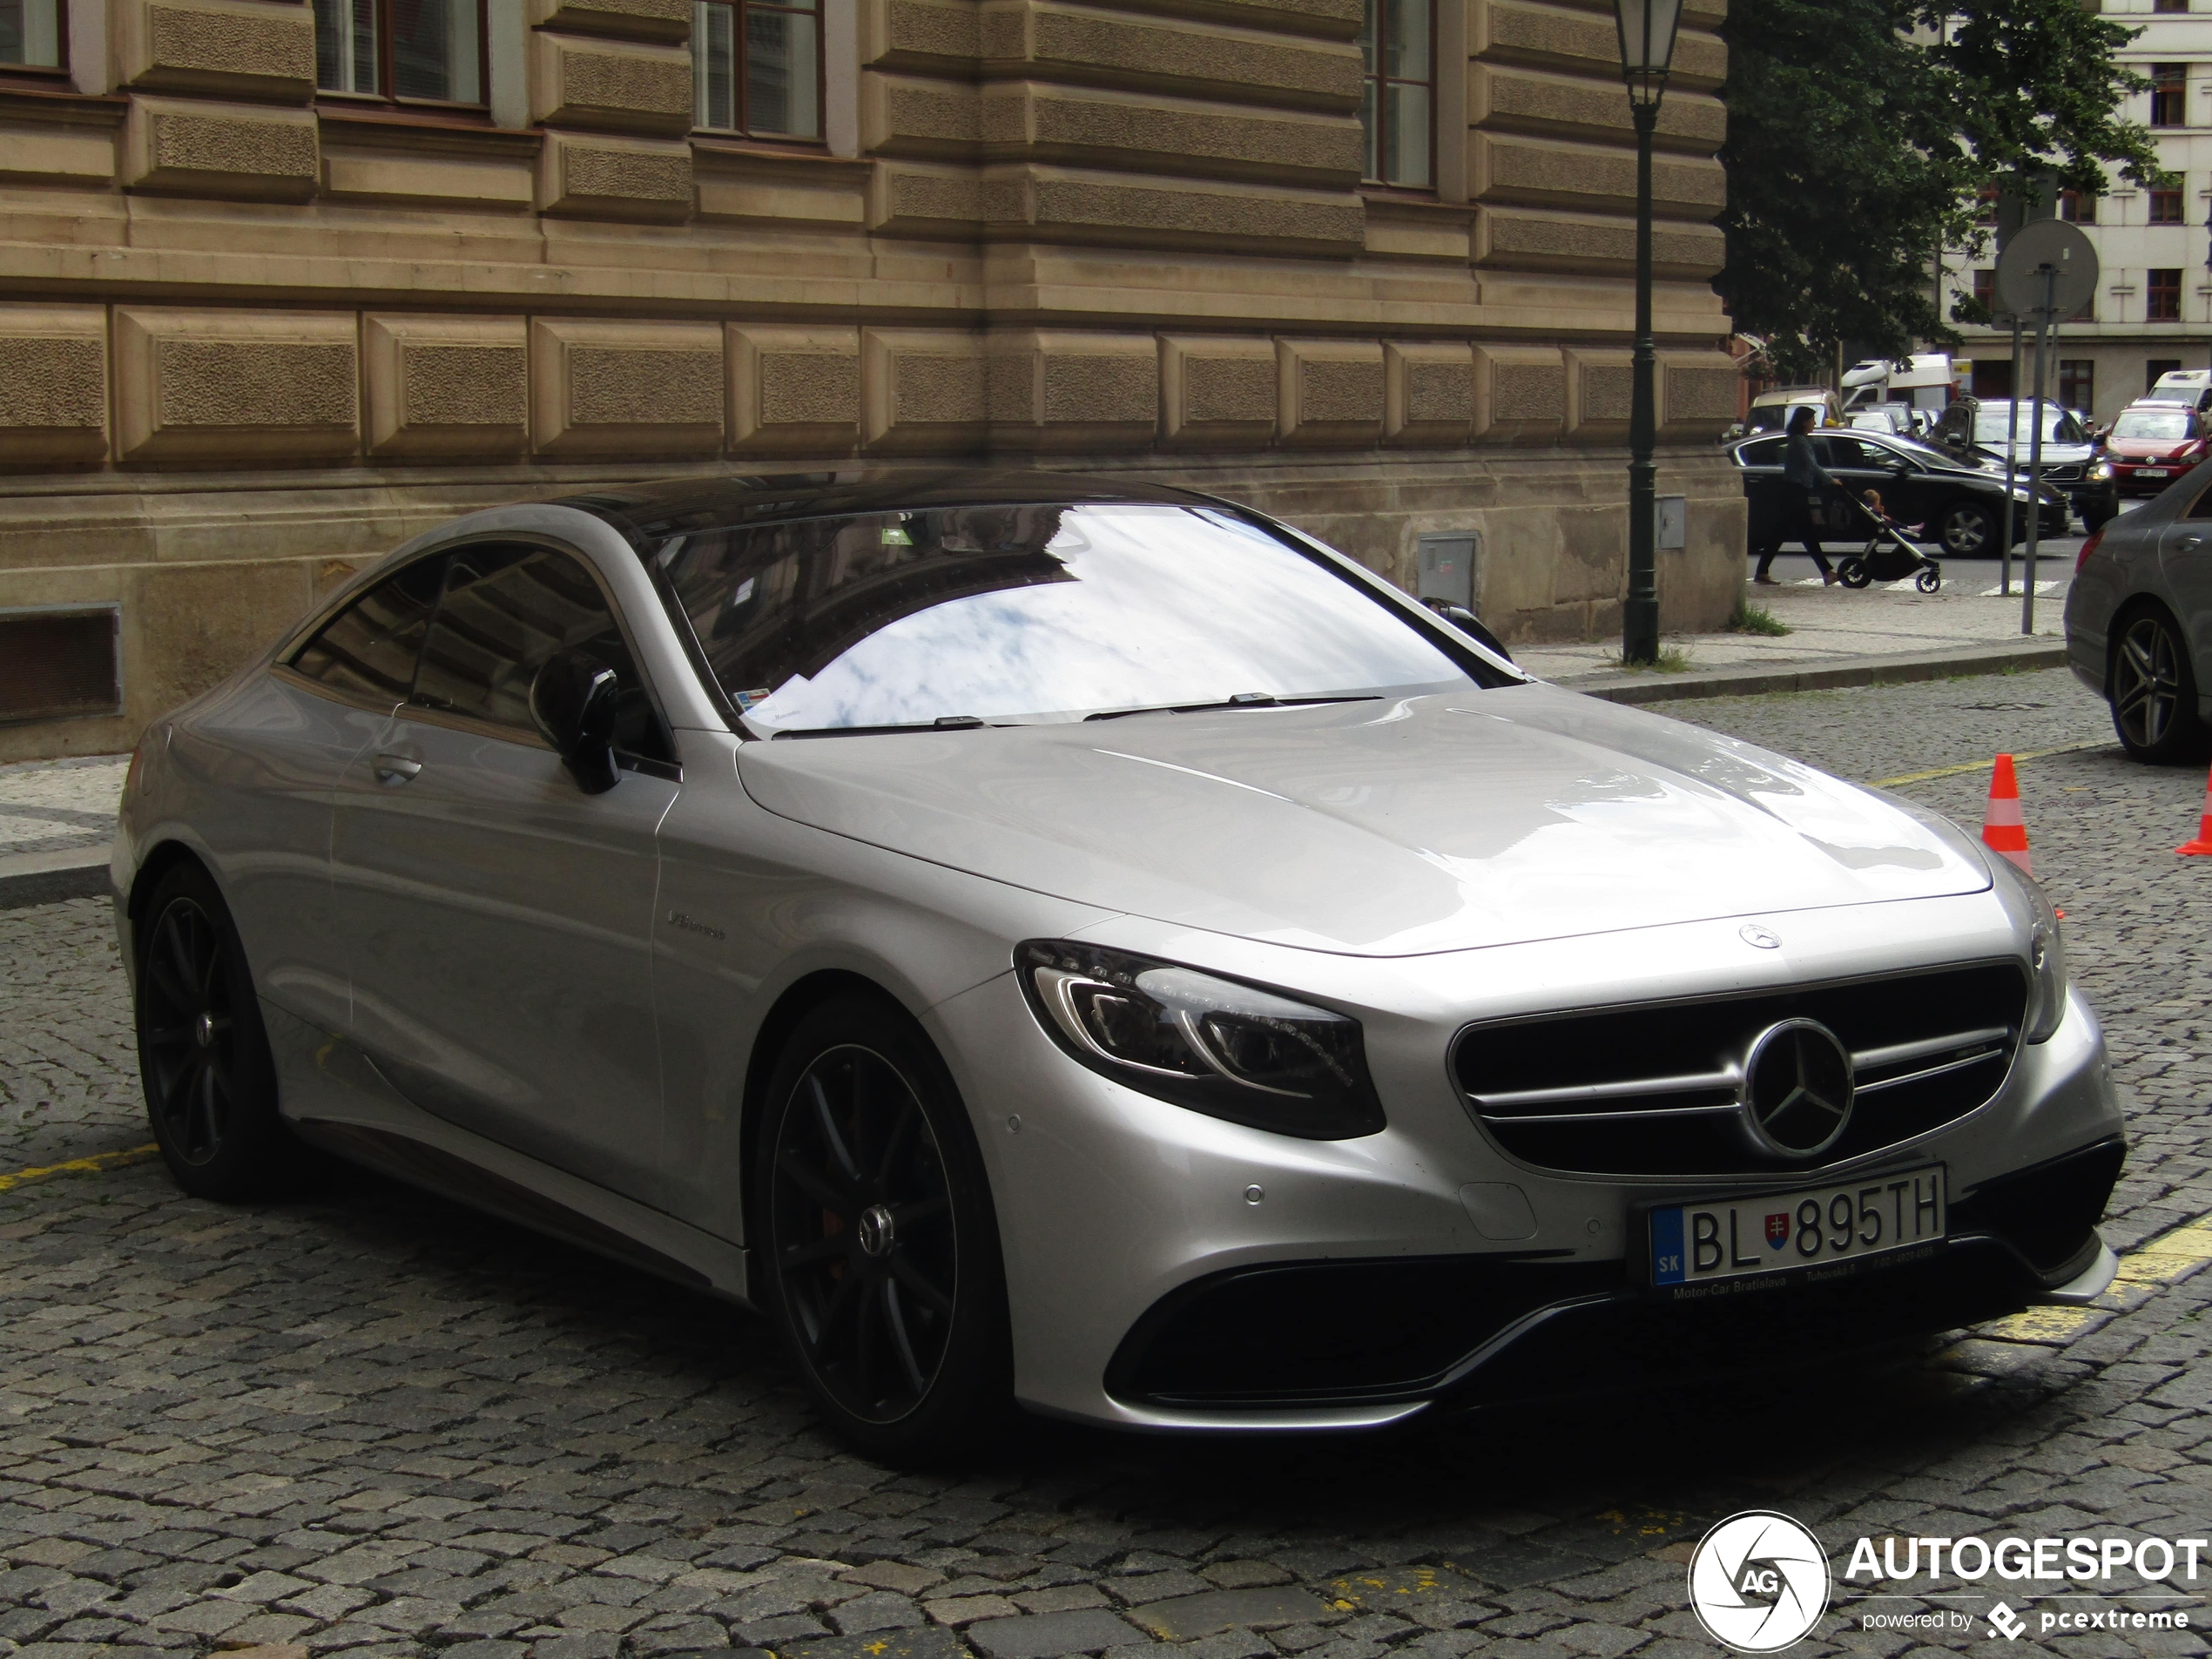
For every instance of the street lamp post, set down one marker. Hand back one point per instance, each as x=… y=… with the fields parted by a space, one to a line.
x=1646 y=47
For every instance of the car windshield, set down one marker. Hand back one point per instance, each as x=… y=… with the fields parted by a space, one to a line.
x=1037 y=612
x=2152 y=423
x=1993 y=420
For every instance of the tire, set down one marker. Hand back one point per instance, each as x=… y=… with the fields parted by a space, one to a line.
x=877 y=1238
x=1967 y=529
x=203 y=1060
x=1852 y=572
x=2151 y=686
x=1928 y=581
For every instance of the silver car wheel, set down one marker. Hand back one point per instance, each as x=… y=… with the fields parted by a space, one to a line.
x=862 y=1227
x=1965 y=531
x=2145 y=682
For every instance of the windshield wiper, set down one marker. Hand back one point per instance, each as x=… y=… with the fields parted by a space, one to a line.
x=1242 y=700
x=942 y=722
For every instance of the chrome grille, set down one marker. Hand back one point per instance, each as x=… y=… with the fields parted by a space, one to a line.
x=1650 y=1088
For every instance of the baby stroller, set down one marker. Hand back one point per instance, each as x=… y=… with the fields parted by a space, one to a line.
x=1889 y=555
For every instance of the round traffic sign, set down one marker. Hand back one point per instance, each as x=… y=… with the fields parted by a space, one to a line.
x=2049 y=262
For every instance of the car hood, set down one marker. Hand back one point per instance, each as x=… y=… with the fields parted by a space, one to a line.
x=2146 y=448
x=1378 y=828
x=2054 y=454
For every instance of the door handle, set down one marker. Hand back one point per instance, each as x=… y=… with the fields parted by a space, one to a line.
x=2192 y=541
x=397 y=769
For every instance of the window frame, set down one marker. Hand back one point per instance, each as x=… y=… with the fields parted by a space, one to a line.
x=2169 y=81
x=390 y=99
x=2153 y=287
x=1374 y=79
x=352 y=593
x=2076 y=208
x=2089 y=378
x=743 y=133
x=2159 y=195
x=46 y=76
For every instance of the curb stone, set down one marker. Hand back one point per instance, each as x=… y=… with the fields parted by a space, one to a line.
x=2025 y=656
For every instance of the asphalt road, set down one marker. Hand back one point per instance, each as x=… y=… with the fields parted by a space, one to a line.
x=372 y=1422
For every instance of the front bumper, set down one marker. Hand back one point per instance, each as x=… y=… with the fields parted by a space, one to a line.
x=1166 y=1270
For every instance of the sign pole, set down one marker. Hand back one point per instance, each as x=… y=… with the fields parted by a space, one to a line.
x=2044 y=318
x=2012 y=463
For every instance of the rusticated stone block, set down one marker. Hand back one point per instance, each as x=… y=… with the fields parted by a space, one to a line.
x=1203 y=57
x=794 y=390
x=1599 y=387
x=1217 y=391
x=220 y=150
x=1534 y=241
x=235 y=386
x=1529 y=100
x=1577 y=40
x=909 y=198
x=900 y=116
x=937 y=35
x=656 y=20
x=1085 y=207
x=608 y=178
x=454 y=387
x=923 y=390
x=1698 y=393
x=615 y=86
x=1051 y=389
x=1592 y=177
x=1428 y=392
x=53 y=385
x=262 y=49
x=1114 y=129
x=1329 y=392
x=1520 y=394
x=626 y=388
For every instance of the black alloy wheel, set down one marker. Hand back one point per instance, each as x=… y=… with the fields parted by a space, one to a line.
x=203 y=1055
x=2153 y=690
x=1967 y=529
x=876 y=1223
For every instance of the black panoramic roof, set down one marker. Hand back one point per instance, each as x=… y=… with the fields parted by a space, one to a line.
x=649 y=513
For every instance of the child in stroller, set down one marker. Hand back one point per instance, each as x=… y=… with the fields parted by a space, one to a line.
x=1889 y=555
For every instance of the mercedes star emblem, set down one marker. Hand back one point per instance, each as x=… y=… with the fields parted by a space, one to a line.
x=1795 y=1095
x=1752 y=934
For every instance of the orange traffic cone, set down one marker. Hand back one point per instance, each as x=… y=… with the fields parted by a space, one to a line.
x=2202 y=845
x=2003 y=831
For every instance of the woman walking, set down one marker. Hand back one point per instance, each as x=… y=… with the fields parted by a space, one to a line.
x=1803 y=477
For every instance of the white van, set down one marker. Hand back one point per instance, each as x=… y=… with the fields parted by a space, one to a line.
x=2189 y=385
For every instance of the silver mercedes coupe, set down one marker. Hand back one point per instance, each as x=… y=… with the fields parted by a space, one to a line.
x=1093 y=947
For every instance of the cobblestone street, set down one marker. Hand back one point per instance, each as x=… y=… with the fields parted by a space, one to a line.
x=377 y=1423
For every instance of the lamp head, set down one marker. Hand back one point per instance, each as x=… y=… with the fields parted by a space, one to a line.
x=1647 y=46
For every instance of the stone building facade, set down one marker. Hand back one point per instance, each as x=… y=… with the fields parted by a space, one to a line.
x=283 y=282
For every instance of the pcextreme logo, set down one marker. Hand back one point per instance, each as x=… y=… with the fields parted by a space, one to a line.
x=1758 y=1582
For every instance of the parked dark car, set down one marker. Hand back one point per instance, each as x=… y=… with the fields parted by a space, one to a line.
x=1976 y=429
x=1961 y=503
x=2139 y=623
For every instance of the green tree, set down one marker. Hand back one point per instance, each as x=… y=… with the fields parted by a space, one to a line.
x=1862 y=134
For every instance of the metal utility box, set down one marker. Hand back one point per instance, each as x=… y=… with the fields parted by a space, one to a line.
x=1672 y=531
x=1447 y=567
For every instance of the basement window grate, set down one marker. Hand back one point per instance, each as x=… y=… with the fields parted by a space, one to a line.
x=59 y=662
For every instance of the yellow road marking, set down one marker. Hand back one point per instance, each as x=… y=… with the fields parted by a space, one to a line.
x=98 y=1161
x=2153 y=1262
x=1985 y=765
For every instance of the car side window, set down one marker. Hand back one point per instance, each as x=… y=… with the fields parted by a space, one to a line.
x=1767 y=452
x=2202 y=507
x=369 y=649
x=506 y=610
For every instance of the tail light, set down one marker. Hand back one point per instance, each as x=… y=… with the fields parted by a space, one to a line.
x=2088 y=547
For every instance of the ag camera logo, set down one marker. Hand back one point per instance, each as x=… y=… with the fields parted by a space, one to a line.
x=1758 y=1582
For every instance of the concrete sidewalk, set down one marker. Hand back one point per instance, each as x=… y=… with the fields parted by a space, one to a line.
x=1838 y=637
x=56 y=820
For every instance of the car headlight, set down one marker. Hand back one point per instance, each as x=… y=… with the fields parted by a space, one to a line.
x=2100 y=471
x=1229 y=1050
x=2046 y=955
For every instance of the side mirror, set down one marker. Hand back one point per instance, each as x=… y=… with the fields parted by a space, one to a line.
x=573 y=700
x=1468 y=623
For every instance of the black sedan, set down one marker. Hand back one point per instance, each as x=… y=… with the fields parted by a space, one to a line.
x=1961 y=503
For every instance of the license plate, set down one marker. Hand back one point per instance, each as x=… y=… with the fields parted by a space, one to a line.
x=1721 y=1246
x=2151 y=472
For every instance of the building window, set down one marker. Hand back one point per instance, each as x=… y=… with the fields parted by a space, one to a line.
x=2169 y=5
x=2163 y=297
x=1397 y=44
x=31 y=34
x=1986 y=213
x=408 y=52
x=1986 y=290
x=2169 y=91
x=757 y=68
x=2076 y=208
x=2156 y=368
x=2078 y=382
x=2166 y=207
